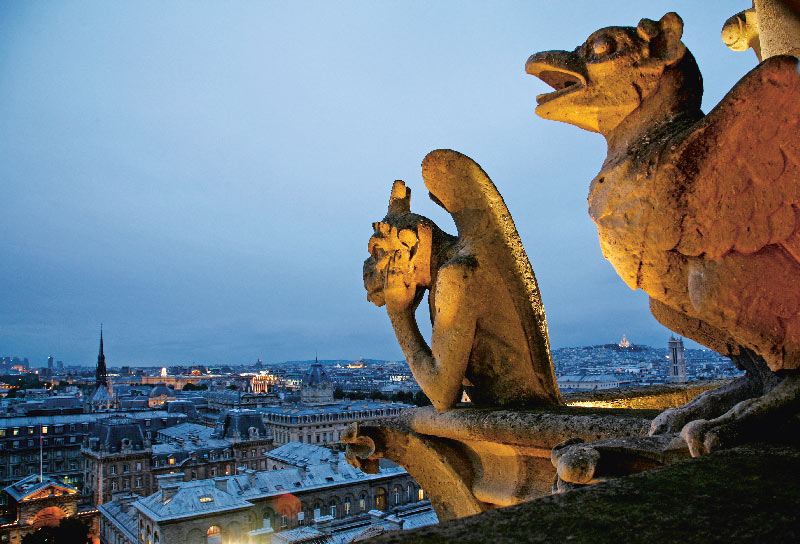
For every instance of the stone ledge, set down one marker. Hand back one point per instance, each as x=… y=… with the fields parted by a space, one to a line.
x=650 y=397
x=747 y=494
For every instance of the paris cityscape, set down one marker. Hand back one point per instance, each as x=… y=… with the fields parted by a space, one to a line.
x=101 y=436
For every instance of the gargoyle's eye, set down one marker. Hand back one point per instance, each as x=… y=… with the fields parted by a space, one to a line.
x=602 y=46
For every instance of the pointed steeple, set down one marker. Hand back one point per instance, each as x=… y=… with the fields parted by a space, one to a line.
x=100 y=377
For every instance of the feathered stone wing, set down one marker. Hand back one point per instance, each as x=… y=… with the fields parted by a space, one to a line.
x=740 y=210
x=742 y=168
x=484 y=222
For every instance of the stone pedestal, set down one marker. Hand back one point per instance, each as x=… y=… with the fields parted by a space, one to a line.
x=473 y=460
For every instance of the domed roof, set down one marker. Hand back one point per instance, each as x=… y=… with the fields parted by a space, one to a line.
x=316 y=376
x=160 y=390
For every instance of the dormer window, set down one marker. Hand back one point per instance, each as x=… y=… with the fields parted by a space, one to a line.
x=206 y=498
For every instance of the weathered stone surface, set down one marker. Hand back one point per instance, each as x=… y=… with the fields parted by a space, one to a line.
x=701 y=212
x=482 y=276
x=650 y=397
x=739 y=495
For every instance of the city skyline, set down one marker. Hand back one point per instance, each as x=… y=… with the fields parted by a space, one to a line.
x=203 y=181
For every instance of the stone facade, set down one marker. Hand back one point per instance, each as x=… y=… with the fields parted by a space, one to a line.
x=323 y=424
x=62 y=437
x=121 y=458
x=251 y=506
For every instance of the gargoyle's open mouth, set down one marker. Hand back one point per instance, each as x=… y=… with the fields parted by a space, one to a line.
x=562 y=82
x=559 y=69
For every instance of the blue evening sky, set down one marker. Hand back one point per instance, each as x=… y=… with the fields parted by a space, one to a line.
x=201 y=177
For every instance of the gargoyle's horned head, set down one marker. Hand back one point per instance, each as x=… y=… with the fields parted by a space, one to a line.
x=614 y=72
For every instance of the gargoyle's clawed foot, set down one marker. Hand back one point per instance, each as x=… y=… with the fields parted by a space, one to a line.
x=709 y=404
x=581 y=463
x=575 y=463
x=759 y=419
x=360 y=452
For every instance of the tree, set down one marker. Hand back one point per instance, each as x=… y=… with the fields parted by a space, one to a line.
x=69 y=531
x=193 y=387
x=421 y=400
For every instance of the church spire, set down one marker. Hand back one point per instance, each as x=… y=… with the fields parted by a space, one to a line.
x=101 y=378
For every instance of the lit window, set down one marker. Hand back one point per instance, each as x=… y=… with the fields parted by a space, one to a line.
x=420 y=495
x=44 y=429
x=171 y=460
x=347 y=508
x=206 y=498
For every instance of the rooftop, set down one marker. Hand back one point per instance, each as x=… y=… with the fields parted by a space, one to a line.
x=27 y=487
x=188 y=499
x=338 y=407
x=193 y=498
x=300 y=454
x=25 y=421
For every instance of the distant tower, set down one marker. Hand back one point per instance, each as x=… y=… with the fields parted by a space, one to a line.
x=50 y=362
x=677 y=362
x=101 y=375
x=101 y=399
x=317 y=387
x=624 y=342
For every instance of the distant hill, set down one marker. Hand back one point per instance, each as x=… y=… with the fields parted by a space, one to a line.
x=335 y=361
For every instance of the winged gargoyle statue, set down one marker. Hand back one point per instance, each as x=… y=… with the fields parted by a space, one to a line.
x=702 y=212
x=489 y=330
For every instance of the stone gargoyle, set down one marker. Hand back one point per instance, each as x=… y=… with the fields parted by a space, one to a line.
x=702 y=212
x=489 y=331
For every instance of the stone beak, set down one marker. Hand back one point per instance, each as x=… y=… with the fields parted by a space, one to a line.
x=564 y=71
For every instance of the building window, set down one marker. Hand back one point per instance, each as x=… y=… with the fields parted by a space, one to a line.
x=380 y=499
x=346 y=508
x=214 y=535
x=333 y=509
x=408 y=493
x=171 y=460
x=126 y=468
x=138 y=482
x=284 y=521
x=44 y=429
x=362 y=503
x=420 y=494
x=396 y=491
x=138 y=467
x=113 y=469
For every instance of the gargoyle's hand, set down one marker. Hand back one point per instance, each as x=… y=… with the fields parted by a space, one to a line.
x=400 y=287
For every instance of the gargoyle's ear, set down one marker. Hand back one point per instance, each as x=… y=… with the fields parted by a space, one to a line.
x=664 y=37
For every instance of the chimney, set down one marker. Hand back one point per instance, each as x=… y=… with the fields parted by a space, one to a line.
x=335 y=463
x=221 y=484
x=169 y=479
x=168 y=491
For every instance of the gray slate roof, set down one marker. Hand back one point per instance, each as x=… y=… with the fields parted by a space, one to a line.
x=300 y=454
x=189 y=499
